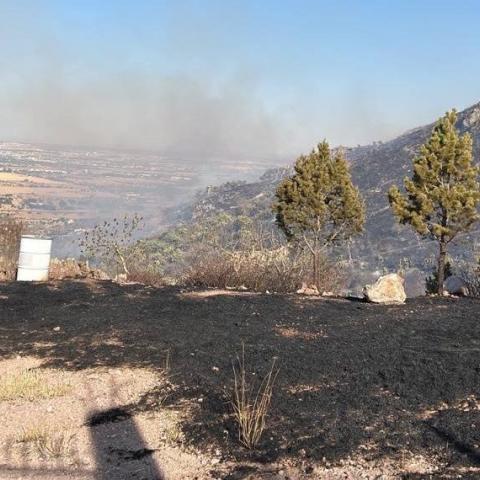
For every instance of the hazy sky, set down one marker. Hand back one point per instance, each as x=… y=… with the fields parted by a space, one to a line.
x=252 y=78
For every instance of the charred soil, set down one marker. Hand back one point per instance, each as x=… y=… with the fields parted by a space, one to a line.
x=359 y=384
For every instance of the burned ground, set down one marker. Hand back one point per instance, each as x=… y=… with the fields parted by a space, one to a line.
x=357 y=382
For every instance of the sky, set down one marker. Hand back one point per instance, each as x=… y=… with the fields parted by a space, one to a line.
x=262 y=79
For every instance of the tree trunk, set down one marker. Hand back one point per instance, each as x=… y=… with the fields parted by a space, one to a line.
x=122 y=260
x=441 y=267
x=316 y=268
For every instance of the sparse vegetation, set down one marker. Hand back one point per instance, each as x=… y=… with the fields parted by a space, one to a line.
x=32 y=434
x=54 y=445
x=280 y=270
x=251 y=403
x=10 y=233
x=30 y=385
x=46 y=443
x=110 y=242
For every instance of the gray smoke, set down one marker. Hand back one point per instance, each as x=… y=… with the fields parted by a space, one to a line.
x=53 y=98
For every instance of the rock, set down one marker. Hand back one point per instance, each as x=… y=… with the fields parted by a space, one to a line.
x=456 y=286
x=387 y=289
x=308 y=290
x=415 y=285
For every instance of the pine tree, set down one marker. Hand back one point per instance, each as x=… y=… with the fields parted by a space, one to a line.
x=442 y=196
x=319 y=206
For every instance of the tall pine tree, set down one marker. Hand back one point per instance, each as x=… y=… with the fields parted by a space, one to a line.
x=442 y=196
x=319 y=205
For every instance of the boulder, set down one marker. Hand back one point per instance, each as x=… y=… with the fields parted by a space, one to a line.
x=415 y=284
x=455 y=286
x=387 y=289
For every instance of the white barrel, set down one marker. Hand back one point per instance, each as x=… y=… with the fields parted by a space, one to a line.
x=34 y=259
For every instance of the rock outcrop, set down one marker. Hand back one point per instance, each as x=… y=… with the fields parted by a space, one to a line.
x=456 y=286
x=415 y=284
x=387 y=290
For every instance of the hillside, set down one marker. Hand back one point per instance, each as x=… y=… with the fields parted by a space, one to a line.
x=374 y=169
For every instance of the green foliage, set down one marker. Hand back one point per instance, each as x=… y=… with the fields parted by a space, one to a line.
x=432 y=280
x=442 y=196
x=319 y=205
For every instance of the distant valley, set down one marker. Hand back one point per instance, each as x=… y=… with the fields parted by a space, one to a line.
x=59 y=191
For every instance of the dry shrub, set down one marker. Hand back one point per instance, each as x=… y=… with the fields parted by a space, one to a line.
x=142 y=267
x=250 y=404
x=276 y=270
x=10 y=232
x=146 y=277
x=61 y=269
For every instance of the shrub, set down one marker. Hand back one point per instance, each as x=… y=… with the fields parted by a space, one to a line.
x=250 y=404
x=275 y=270
x=146 y=277
x=109 y=242
x=10 y=232
x=142 y=265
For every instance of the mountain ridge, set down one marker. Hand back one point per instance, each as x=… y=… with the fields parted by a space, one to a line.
x=374 y=168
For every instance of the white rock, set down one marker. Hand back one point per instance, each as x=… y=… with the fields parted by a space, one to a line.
x=308 y=290
x=387 y=289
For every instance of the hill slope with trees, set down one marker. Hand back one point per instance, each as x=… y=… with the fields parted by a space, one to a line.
x=374 y=168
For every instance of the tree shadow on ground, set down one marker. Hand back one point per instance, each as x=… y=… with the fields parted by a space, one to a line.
x=354 y=378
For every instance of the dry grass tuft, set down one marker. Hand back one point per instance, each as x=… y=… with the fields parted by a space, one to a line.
x=32 y=434
x=45 y=443
x=54 y=446
x=30 y=385
x=250 y=404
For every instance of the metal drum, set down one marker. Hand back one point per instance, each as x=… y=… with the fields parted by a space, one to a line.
x=34 y=259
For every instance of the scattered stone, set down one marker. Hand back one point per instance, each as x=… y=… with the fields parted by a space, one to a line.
x=308 y=290
x=387 y=290
x=456 y=286
x=56 y=329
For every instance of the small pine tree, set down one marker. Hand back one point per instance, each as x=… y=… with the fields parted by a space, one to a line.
x=319 y=205
x=443 y=194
